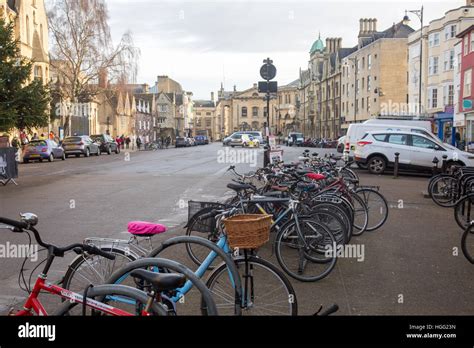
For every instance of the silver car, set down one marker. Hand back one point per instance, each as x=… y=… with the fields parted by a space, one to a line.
x=81 y=145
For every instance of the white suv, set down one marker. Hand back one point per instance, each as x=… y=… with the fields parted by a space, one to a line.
x=377 y=151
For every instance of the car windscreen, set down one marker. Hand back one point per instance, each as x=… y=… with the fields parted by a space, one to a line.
x=38 y=143
x=73 y=140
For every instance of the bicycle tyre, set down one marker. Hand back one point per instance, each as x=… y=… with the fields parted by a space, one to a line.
x=263 y=264
x=365 y=193
x=465 y=249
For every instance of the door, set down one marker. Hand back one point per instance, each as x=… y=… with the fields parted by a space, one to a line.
x=424 y=151
x=56 y=150
x=398 y=143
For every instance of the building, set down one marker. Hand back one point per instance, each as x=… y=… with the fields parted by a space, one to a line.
x=31 y=30
x=325 y=91
x=438 y=68
x=287 y=109
x=224 y=111
x=206 y=119
x=374 y=75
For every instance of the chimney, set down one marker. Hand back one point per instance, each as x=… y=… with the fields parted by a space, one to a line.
x=255 y=85
x=374 y=24
x=212 y=97
x=328 y=44
x=235 y=88
x=361 y=29
x=339 y=43
x=103 y=78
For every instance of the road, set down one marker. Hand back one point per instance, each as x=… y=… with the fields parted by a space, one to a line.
x=409 y=266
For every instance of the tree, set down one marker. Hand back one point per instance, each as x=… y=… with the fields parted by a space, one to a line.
x=83 y=52
x=24 y=104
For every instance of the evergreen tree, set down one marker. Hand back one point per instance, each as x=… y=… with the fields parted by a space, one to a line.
x=24 y=104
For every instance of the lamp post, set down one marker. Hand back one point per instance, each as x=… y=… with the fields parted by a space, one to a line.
x=406 y=19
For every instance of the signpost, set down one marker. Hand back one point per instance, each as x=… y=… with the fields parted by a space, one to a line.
x=8 y=165
x=268 y=72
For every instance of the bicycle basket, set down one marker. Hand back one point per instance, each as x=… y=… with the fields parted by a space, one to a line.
x=248 y=231
x=203 y=225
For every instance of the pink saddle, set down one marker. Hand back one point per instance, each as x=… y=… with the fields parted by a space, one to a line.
x=145 y=229
x=315 y=176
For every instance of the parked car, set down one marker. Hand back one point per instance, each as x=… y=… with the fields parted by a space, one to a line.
x=81 y=145
x=192 y=142
x=107 y=143
x=295 y=139
x=182 y=142
x=250 y=141
x=40 y=150
x=417 y=151
x=235 y=140
x=201 y=140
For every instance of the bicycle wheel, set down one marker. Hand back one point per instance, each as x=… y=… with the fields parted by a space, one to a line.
x=204 y=228
x=343 y=214
x=332 y=221
x=93 y=269
x=121 y=297
x=464 y=211
x=467 y=243
x=444 y=191
x=310 y=263
x=265 y=289
x=347 y=173
x=361 y=214
x=377 y=208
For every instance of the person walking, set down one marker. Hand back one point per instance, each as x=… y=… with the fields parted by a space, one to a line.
x=139 y=143
x=35 y=137
x=127 y=142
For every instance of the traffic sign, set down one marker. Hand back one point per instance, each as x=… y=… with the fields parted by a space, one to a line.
x=467 y=104
x=268 y=72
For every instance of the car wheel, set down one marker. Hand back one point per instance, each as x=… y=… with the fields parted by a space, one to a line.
x=98 y=152
x=41 y=160
x=26 y=161
x=377 y=165
x=88 y=153
x=51 y=158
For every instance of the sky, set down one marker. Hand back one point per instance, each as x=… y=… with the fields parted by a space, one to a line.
x=203 y=43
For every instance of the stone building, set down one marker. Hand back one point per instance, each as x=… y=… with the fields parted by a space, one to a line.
x=31 y=30
x=374 y=76
x=287 y=109
x=206 y=120
x=438 y=68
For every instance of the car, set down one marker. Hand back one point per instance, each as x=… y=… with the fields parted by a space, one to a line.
x=80 y=145
x=257 y=135
x=40 y=150
x=235 y=140
x=295 y=139
x=377 y=150
x=182 y=142
x=201 y=140
x=250 y=141
x=106 y=143
x=192 y=142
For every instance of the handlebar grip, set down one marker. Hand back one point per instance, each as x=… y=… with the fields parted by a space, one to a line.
x=17 y=224
x=96 y=251
x=333 y=309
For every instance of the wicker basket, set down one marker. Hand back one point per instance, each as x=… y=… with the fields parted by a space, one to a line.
x=248 y=231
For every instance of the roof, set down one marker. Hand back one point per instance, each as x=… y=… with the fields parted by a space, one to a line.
x=465 y=31
x=318 y=46
x=396 y=31
x=204 y=103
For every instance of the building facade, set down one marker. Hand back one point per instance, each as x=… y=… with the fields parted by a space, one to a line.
x=374 y=76
x=287 y=109
x=206 y=119
x=438 y=68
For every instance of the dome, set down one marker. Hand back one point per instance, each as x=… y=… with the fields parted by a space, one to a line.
x=318 y=46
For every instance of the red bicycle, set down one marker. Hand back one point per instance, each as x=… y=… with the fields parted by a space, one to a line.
x=114 y=300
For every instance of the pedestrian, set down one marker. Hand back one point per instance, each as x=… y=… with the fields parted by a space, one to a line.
x=35 y=137
x=122 y=141
x=127 y=142
x=458 y=140
x=42 y=137
x=139 y=143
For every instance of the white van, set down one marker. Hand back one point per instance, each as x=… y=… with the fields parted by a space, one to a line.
x=357 y=131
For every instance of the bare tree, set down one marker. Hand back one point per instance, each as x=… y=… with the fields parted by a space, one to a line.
x=82 y=49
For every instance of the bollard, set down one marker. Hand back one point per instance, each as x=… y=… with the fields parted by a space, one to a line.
x=435 y=167
x=397 y=161
x=445 y=164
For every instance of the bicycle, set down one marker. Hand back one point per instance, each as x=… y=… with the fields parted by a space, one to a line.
x=143 y=303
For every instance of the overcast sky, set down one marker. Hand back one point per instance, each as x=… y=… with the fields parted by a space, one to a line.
x=203 y=43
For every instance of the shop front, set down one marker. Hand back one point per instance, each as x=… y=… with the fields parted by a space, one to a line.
x=446 y=130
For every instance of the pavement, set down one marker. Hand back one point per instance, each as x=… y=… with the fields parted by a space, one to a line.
x=410 y=266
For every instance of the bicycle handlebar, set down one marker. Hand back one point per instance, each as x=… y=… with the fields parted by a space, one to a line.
x=333 y=309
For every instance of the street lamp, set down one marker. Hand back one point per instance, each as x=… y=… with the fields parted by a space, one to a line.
x=406 y=20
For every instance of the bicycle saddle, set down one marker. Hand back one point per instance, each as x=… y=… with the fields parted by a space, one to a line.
x=239 y=187
x=160 y=281
x=145 y=229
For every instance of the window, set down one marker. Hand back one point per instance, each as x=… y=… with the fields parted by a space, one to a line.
x=451 y=95
x=433 y=97
x=472 y=42
x=363 y=62
x=265 y=112
x=38 y=72
x=244 y=112
x=28 y=39
x=208 y=122
x=466 y=45
x=380 y=137
x=357 y=87
x=208 y=114
x=368 y=104
x=198 y=114
x=449 y=60
x=369 y=61
x=433 y=65
x=467 y=83
x=450 y=31
x=369 y=83
x=433 y=40
x=255 y=111
x=397 y=139
x=363 y=83
x=423 y=143
x=363 y=103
